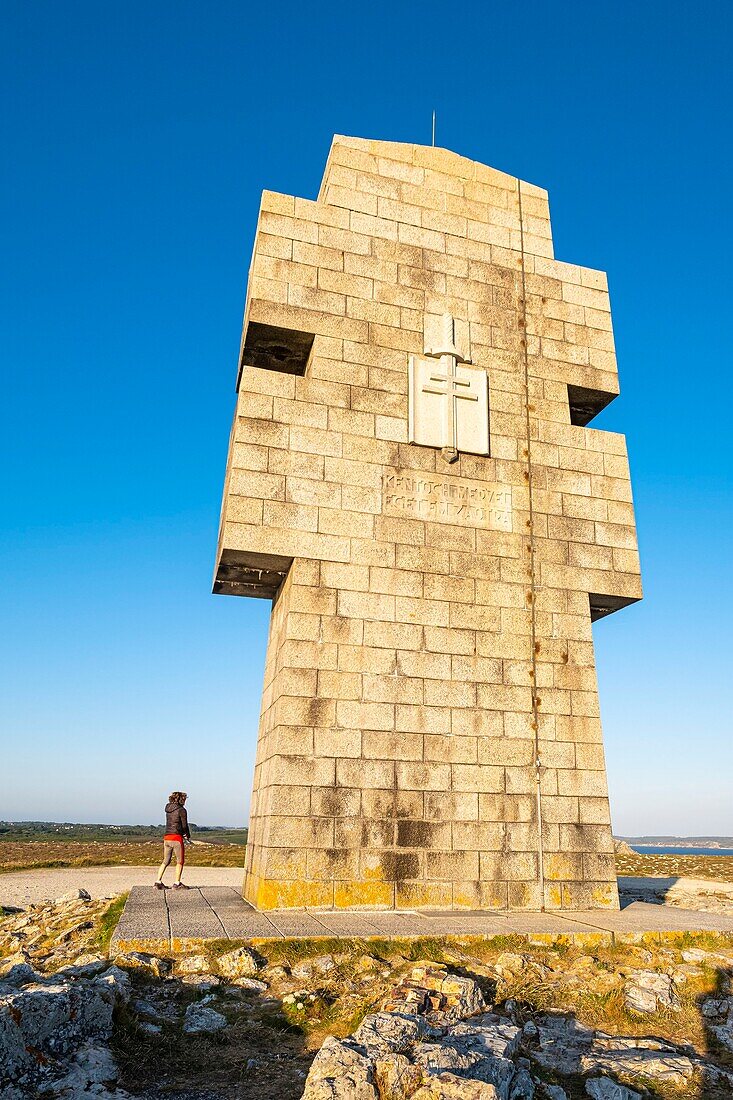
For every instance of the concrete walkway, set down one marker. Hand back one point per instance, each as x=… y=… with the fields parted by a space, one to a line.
x=173 y=919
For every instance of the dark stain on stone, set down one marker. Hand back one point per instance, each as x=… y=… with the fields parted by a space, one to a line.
x=313 y=710
x=413 y=834
x=400 y=865
x=332 y=805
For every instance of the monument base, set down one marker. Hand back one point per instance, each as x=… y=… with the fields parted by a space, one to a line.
x=270 y=894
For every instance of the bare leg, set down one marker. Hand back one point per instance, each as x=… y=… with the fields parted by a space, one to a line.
x=161 y=871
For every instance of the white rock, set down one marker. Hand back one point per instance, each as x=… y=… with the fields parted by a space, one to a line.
x=145 y=1009
x=74 y=895
x=603 y=1088
x=193 y=964
x=250 y=983
x=522 y=1086
x=52 y=1018
x=382 y=1033
x=724 y=1034
x=141 y=960
x=633 y=1058
x=239 y=963
x=17 y=972
x=396 y=1078
x=314 y=968
x=708 y=958
x=340 y=1071
x=561 y=1043
x=491 y=1035
x=712 y=1007
x=84 y=970
x=447 y=1086
x=511 y=963
x=553 y=1092
x=647 y=990
x=200 y=1019
x=118 y=982
x=93 y=1064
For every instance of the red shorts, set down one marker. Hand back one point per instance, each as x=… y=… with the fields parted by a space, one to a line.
x=173 y=847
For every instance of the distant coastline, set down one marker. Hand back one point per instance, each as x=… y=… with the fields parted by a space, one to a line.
x=679 y=841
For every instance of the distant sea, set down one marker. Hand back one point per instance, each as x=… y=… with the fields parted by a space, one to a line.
x=651 y=850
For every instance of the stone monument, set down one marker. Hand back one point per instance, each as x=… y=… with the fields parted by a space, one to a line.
x=413 y=483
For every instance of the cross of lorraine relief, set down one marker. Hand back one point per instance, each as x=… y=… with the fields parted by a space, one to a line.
x=448 y=400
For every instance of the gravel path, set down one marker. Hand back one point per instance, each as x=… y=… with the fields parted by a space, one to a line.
x=23 y=888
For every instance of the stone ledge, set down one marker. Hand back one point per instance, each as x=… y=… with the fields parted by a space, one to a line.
x=219 y=913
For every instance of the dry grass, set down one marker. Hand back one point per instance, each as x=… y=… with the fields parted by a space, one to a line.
x=25 y=855
x=677 y=866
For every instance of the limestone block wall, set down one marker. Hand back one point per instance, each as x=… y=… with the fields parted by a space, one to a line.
x=430 y=731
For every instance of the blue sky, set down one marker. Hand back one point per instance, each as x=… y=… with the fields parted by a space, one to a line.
x=136 y=139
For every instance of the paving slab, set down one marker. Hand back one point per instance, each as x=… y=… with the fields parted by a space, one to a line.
x=225 y=897
x=192 y=917
x=642 y=916
x=461 y=924
x=250 y=926
x=145 y=916
x=358 y=925
x=239 y=919
x=219 y=912
x=545 y=923
x=298 y=923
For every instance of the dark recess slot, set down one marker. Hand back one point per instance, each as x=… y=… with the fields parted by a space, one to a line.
x=585 y=404
x=272 y=348
x=602 y=605
x=257 y=575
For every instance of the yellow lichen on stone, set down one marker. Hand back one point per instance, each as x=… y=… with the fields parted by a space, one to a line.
x=363 y=895
x=270 y=894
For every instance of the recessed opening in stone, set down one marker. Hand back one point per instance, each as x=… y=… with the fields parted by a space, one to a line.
x=585 y=404
x=602 y=605
x=272 y=348
x=247 y=574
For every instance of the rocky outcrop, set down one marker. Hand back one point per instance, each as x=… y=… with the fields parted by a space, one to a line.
x=53 y=933
x=45 y=1021
x=201 y=1018
x=436 y=1037
x=471 y=1030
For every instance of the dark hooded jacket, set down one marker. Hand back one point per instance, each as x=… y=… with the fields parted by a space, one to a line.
x=176 y=820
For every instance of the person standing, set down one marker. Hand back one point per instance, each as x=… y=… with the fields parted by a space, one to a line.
x=177 y=834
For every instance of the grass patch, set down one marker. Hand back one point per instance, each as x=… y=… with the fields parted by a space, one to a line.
x=109 y=920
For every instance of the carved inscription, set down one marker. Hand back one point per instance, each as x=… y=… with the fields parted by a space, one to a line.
x=457 y=500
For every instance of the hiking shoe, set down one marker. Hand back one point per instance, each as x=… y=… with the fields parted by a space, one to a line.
x=159 y=886
x=180 y=886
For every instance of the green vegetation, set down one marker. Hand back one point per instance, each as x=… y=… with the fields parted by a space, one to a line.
x=719 y=868
x=19 y=831
x=109 y=920
x=27 y=845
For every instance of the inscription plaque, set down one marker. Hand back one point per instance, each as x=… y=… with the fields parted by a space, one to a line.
x=458 y=500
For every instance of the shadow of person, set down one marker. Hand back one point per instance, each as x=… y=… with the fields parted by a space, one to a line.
x=716 y=1015
x=167 y=1041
